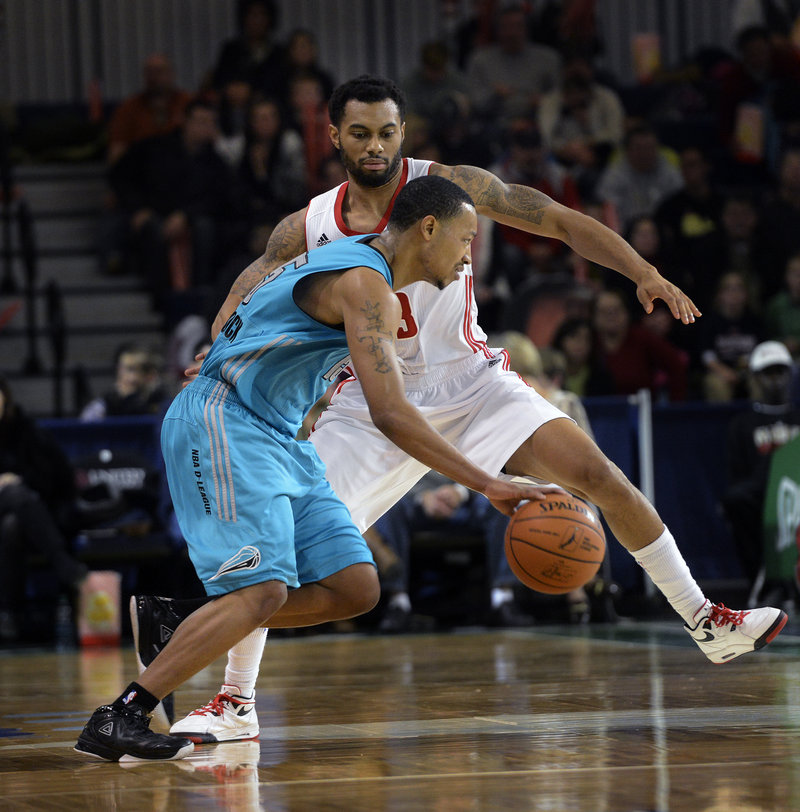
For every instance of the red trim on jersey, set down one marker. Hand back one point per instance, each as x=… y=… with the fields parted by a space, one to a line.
x=335 y=392
x=339 y=217
x=305 y=226
x=476 y=345
x=337 y=211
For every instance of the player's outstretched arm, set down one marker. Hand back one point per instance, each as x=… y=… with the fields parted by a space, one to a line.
x=288 y=240
x=528 y=209
x=371 y=314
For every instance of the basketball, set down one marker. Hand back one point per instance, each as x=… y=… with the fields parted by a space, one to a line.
x=555 y=545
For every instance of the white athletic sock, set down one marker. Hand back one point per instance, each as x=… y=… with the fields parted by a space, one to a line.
x=663 y=562
x=401 y=600
x=501 y=595
x=243 y=662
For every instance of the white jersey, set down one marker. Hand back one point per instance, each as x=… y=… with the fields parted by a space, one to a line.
x=439 y=326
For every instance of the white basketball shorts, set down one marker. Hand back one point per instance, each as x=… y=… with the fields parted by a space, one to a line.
x=484 y=410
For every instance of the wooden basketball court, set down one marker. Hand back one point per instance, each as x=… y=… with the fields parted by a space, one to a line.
x=604 y=719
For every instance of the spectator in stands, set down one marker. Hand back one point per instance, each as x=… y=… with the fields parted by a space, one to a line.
x=779 y=227
x=737 y=246
x=635 y=357
x=581 y=123
x=593 y=601
x=641 y=179
x=690 y=221
x=782 y=315
x=726 y=338
x=233 y=110
x=435 y=85
x=157 y=109
x=438 y=505
x=508 y=78
x=759 y=101
x=37 y=510
x=645 y=236
x=272 y=168
x=527 y=162
x=463 y=36
x=138 y=385
x=181 y=202
x=253 y=56
x=308 y=114
x=584 y=375
x=753 y=436
x=302 y=53
x=777 y=16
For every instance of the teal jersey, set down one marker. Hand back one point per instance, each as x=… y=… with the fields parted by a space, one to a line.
x=277 y=358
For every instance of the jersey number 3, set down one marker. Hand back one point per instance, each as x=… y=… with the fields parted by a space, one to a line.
x=408 y=329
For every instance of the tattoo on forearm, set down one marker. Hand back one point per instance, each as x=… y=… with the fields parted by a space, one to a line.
x=487 y=190
x=250 y=277
x=375 y=336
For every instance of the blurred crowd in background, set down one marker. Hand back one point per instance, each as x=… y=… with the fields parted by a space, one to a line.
x=697 y=165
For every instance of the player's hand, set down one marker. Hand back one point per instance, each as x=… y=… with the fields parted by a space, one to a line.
x=679 y=304
x=505 y=496
x=193 y=371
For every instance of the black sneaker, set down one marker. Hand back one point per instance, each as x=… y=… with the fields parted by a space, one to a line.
x=123 y=734
x=153 y=621
x=395 y=620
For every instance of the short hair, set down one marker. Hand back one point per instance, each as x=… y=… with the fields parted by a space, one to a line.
x=269 y=6
x=368 y=89
x=152 y=358
x=430 y=194
x=199 y=104
x=638 y=131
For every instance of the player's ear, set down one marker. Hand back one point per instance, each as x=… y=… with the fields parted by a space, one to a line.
x=428 y=226
x=333 y=134
x=402 y=132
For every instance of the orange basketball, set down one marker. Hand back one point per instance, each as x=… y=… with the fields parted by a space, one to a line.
x=555 y=545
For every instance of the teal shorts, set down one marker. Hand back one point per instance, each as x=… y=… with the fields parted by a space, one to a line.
x=252 y=503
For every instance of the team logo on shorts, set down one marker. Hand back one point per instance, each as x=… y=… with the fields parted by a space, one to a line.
x=248 y=558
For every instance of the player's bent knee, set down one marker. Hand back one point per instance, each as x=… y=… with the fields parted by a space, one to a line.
x=355 y=590
x=601 y=480
x=261 y=601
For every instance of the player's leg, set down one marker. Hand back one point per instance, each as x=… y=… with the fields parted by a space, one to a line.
x=339 y=580
x=561 y=452
x=251 y=581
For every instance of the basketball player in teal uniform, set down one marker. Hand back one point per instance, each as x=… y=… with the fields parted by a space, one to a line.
x=252 y=502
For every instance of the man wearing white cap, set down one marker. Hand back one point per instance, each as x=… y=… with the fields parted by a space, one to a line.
x=770 y=422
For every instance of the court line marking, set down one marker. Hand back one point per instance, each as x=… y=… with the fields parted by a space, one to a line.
x=783 y=717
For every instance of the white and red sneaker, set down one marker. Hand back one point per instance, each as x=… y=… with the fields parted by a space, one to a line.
x=724 y=634
x=229 y=717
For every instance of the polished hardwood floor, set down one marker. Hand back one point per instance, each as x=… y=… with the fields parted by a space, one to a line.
x=602 y=719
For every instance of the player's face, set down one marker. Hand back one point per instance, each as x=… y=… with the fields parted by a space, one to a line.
x=369 y=139
x=449 y=248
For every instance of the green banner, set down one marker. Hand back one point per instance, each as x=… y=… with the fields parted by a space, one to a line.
x=782 y=512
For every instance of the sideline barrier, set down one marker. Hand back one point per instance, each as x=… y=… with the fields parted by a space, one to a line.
x=688 y=457
x=689 y=472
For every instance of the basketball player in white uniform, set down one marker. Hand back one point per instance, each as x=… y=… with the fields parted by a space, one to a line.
x=463 y=388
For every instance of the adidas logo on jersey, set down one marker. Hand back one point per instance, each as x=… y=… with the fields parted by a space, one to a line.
x=323 y=240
